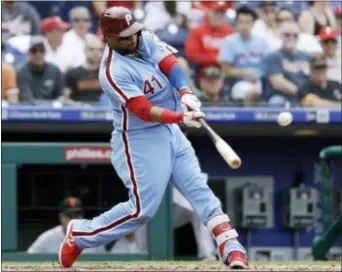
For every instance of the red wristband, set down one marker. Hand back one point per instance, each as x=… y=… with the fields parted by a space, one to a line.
x=171 y=117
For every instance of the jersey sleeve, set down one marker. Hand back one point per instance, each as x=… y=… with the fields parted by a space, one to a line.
x=158 y=49
x=119 y=86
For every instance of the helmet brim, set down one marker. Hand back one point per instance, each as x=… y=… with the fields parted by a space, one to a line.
x=131 y=30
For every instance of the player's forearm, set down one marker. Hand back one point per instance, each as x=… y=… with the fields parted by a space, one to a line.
x=147 y=112
x=165 y=116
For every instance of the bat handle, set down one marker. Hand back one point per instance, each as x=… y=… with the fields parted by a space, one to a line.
x=203 y=122
x=212 y=133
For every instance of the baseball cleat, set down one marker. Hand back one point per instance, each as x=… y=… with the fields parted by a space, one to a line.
x=69 y=251
x=237 y=260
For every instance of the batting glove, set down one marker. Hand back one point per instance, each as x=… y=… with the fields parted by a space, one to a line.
x=190 y=118
x=191 y=102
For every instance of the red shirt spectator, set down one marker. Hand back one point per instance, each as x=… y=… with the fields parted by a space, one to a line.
x=204 y=5
x=101 y=6
x=203 y=43
x=126 y=4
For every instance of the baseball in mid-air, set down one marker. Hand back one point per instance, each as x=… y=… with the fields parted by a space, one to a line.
x=284 y=118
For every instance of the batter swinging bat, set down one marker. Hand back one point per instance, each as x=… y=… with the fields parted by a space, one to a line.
x=227 y=153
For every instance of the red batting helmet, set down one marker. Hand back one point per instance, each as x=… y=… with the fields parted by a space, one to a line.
x=119 y=21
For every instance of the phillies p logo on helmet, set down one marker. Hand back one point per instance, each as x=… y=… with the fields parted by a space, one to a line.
x=129 y=19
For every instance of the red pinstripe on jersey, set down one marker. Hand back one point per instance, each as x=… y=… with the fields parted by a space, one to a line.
x=110 y=79
x=132 y=178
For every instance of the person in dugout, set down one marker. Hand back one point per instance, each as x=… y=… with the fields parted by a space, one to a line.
x=50 y=240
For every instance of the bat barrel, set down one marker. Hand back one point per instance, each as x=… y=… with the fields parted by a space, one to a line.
x=227 y=153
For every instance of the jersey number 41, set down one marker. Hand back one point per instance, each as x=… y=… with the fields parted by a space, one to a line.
x=150 y=86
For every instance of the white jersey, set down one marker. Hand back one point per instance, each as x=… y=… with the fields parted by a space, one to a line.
x=50 y=241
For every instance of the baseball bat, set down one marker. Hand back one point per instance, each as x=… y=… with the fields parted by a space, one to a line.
x=227 y=153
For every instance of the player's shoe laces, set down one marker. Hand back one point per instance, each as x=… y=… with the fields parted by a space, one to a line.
x=235 y=255
x=69 y=251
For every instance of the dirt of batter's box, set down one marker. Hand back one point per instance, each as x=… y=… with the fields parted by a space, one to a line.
x=168 y=266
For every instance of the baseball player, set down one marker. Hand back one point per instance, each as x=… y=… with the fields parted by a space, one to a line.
x=143 y=80
x=183 y=213
x=50 y=240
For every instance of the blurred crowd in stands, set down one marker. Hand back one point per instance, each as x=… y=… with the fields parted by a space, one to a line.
x=236 y=52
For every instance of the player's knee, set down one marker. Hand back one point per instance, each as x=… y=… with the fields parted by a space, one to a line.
x=147 y=213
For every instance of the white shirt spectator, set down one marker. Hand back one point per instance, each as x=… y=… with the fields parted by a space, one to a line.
x=53 y=29
x=73 y=44
x=153 y=22
x=72 y=49
x=21 y=42
x=69 y=55
x=260 y=29
x=306 y=42
x=50 y=241
x=309 y=43
x=57 y=57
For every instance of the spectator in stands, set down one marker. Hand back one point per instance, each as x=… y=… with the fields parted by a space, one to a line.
x=73 y=40
x=19 y=18
x=286 y=68
x=306 y=42
x=266 y=25
x=176 y=30
x=318 y=15
x=38 y=79
x=101 y=6
x=9 y=89
x=53 y=28
x=328 y=37
x=10 y=54
x=199 y=9
x=318 y=91
x=338 y=14
x=210 y=83
x=162 y=13
x=204 y=42
x=82 y=82
x=295 y=6
x=50 y=240
x=241 y=57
